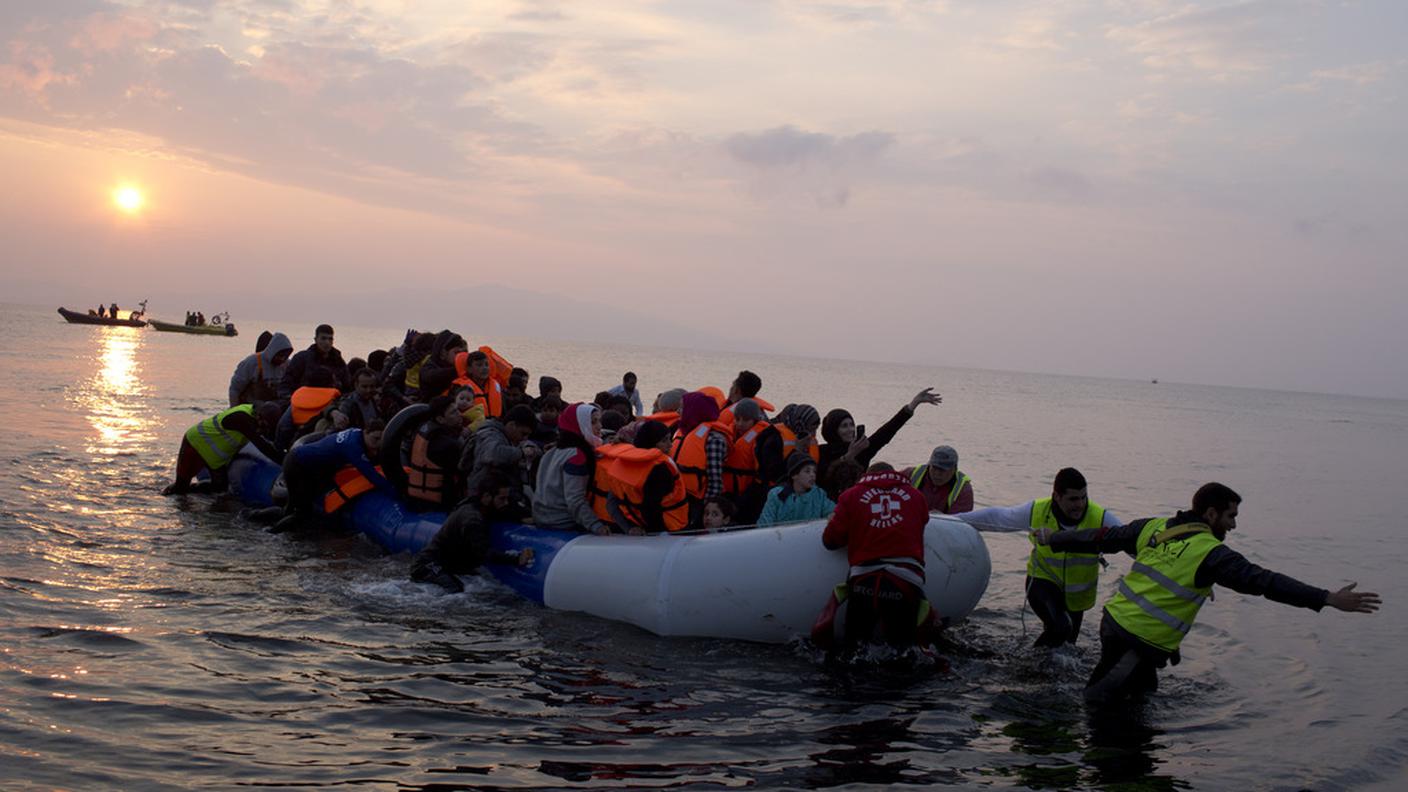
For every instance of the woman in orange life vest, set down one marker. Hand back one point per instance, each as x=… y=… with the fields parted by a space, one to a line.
x=701 y=448
x=646 y=490
x=434 y=457
x=473 y=370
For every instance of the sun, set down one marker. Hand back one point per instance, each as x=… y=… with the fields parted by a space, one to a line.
x=128 y=199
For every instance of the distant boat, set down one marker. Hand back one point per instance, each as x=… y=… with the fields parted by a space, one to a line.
x=216 y=327
x=76 y=317
x=1154 y=381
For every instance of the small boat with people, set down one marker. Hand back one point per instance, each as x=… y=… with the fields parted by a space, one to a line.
x=763 y=584
x=106 y=316
x=218 y=325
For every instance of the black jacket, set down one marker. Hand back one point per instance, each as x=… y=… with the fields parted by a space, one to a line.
x=301 y=366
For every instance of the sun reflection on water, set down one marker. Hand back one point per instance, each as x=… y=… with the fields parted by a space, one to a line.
x=113 y=397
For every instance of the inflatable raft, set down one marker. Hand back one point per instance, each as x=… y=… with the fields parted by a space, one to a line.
x=757 y=584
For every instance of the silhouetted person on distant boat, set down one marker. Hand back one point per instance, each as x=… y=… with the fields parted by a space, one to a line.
x=102 y=312
x=112 y=311
x=1061 y=587
x=1177 y=560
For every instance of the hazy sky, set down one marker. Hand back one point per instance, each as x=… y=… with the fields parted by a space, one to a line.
x=1196 y=191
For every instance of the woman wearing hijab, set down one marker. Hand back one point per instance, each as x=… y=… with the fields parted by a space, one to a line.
x=565 y=472
x=844 y=441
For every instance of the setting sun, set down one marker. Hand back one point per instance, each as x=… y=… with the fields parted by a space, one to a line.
x=128 y=199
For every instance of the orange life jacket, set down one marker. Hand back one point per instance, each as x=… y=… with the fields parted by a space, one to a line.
x=626 y=473
x=425 y=480
x=716 y=394
x=499 y=367
x=741 y=467
x=308 y=402
x=347 y=484
x=671 y=419
x=789 y=443
x=726 y=413
x=491 y=396
x=600 y=485
x=691 y=458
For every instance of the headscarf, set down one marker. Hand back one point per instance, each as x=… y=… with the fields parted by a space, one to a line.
x=697 y=408
x=576 y=423
x=830 y=425
x=798 y=417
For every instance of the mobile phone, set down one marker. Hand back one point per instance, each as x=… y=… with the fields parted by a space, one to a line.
x=860 y=431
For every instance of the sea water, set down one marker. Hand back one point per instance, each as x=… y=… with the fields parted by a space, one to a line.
x=163 y=643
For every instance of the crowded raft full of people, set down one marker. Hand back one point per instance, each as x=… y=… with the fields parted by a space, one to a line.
x=714 y=513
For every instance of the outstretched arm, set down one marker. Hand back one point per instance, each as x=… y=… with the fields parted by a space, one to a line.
x=1351 y=601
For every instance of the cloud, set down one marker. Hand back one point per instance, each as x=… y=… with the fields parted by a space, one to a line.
x=1357 y=76
x=820 y=165
x=1231 y=40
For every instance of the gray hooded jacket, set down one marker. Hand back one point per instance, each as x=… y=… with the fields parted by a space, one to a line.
x=256 y=378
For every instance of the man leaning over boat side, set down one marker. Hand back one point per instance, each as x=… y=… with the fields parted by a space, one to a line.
x=462 y=544
x=257 y=377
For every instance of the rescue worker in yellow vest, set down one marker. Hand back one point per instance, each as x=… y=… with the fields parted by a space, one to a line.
x=310 y=469
x=213 y=443
x=946 y=489
x=1061 y=587
x=1177 y=560
x=433 y=462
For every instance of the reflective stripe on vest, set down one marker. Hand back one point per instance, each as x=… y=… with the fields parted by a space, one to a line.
x=1158 y=600
x=789 y=443
x=1076 y=573
x=216 y=444
x=741 y=466
x=959 y=480
x=425 y=480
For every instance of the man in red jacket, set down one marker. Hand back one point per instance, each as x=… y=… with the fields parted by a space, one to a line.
x=880 y=521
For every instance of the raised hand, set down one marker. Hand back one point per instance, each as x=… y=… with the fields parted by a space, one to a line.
x=925 y=397
x=1351 y=601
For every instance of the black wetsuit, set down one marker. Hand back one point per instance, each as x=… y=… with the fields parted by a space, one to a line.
x=459 y=547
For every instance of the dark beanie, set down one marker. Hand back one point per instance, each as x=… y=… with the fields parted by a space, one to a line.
x=612 y=420
x=439 y=405
x=796 y=461
x=650 y=434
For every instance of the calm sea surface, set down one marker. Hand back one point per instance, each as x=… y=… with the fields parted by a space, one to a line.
x=157 y=643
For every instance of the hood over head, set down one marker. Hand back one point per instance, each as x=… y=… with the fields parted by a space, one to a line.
x=831 y=423
x=277 y=343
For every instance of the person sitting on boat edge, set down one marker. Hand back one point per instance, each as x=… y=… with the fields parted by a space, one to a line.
x=499 y=445
x=212 y=444
x=463 y=542
x=798 y=498
x=880 y=523
x=1060 y=586
x=946 y=489
x=1177 y=561
x=310 y=469
x=627 y=389
x=320 y=354
x=645 y=489
x=257 y=377
x=432 y=461
x=560 y=498
x=843 y=439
